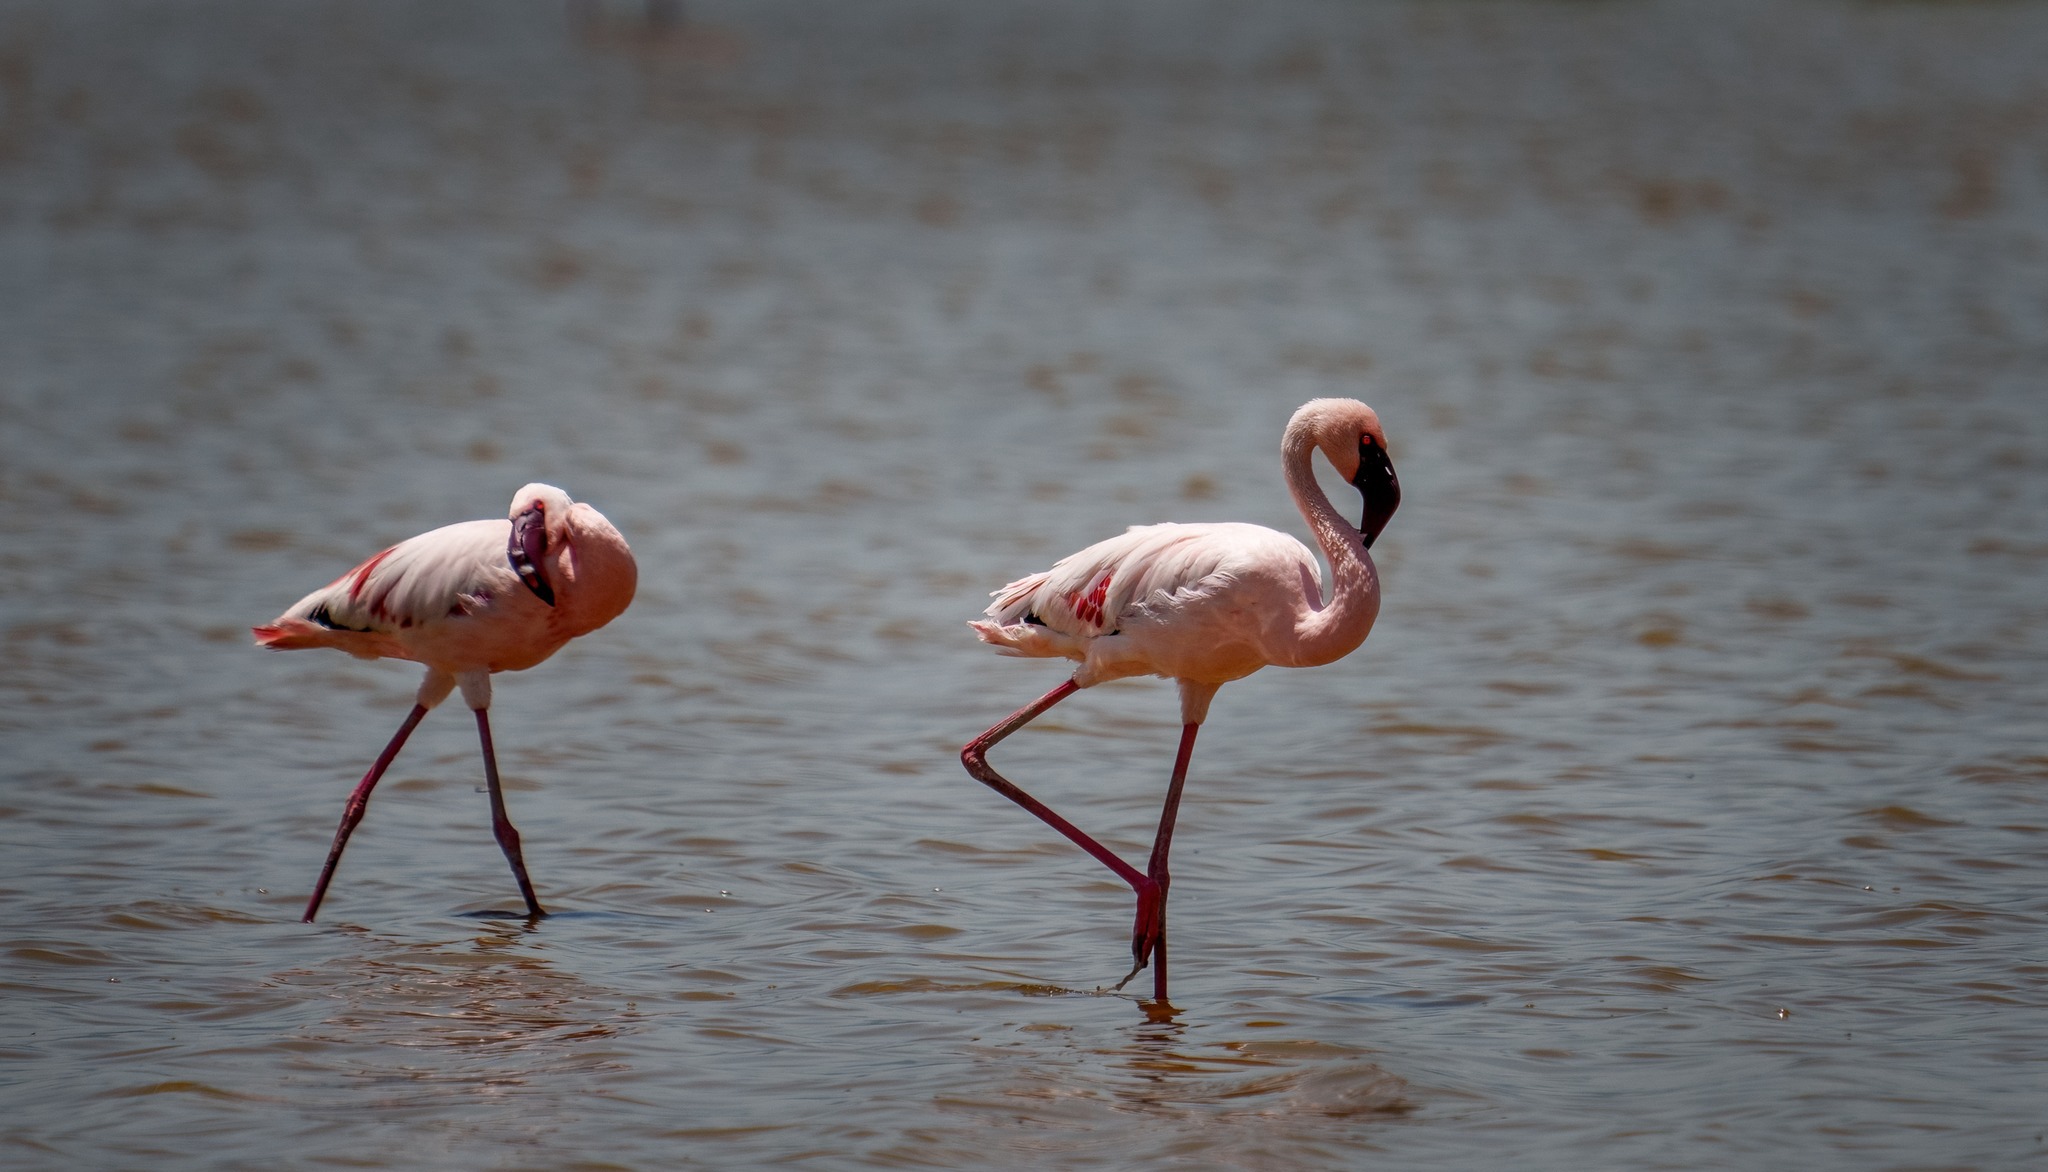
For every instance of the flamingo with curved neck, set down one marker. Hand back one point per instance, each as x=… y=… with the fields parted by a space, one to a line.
x=1201 y=605
x=466 y=601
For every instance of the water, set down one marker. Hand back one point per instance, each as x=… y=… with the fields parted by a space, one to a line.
x=1686 y=808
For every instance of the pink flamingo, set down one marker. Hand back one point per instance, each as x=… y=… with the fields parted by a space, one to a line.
x=467 y=600
x=1201 y=605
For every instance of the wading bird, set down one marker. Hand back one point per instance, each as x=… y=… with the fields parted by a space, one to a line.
x=467 y=600
x=1201 y=605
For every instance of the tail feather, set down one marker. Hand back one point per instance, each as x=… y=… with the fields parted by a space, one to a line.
x=1028 y=639
x=290 y=633
x=1013 y=602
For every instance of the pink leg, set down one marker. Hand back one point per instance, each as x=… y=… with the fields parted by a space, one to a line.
x=501 y=826
x=1149 y=936
x=1150 y=894
x=357 y=803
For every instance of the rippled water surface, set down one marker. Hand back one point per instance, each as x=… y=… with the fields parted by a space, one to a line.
x=1685 y=809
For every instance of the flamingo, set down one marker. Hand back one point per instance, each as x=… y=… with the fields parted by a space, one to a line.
x=467 y=600
x=1201 y=605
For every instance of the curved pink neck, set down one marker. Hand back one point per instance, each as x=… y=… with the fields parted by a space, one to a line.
x=1325 y=631
x=599 y=569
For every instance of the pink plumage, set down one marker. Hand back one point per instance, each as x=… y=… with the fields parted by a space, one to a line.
x=1201 y=605
x=1195 y=603
x=467 y=600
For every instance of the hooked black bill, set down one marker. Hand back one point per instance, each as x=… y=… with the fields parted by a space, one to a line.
x=1379 y=486
x=527 y=550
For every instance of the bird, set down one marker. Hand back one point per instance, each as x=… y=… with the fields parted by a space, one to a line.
x=466 y=601
x=1202 y=605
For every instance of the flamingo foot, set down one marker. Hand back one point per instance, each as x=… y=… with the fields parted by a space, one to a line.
x=1148 y=932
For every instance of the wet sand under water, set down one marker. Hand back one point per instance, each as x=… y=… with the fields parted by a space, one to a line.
x=1686 y=808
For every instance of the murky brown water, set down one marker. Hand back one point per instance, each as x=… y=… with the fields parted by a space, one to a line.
x=1686 y=808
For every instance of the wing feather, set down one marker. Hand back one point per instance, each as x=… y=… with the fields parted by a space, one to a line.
x=456 y=569
x=1092 y=591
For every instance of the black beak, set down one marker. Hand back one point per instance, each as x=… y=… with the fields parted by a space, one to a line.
x=1379 y=486
x=527 y=552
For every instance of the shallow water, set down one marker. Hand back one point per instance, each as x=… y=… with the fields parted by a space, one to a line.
x=1685 y=809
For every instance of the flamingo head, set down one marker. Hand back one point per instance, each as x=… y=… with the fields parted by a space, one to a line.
x=540 y=519
x=1376 y=483
x=1351 y=438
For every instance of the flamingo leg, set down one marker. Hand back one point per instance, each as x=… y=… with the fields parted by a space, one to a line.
x=1151 y=894
x=501 y=826
x=1149 y=934
x=358 y=802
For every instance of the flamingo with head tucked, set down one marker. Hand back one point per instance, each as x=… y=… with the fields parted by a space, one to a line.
x=467 y=600
x=1201 y=605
